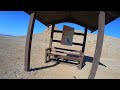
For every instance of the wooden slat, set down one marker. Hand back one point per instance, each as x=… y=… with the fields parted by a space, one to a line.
x=76 y=33
x=66 y=57
x=29 y=41
x=58 y=31
x=74 y=43
x=56 y=40
x=58 y=51
x=66 y=49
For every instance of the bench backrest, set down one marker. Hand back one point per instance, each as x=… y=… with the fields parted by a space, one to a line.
x=67 y=37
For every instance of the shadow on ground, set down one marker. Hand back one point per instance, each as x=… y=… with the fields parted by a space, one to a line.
x=58 y=61
x=45 y=67
x=90 y=59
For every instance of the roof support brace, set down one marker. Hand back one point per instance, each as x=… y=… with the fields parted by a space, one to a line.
x=100 y=37
x=29 y=41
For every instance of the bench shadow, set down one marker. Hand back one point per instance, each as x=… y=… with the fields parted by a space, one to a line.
x=45 y=67
x=90 y=59
x=66 y=61
x=58 y=61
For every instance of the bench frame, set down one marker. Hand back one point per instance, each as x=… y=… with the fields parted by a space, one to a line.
x=77 y=57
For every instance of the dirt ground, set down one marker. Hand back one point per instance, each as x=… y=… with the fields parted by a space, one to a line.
x=12 y=51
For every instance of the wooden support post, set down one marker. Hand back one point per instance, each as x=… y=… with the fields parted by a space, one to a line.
x=51 y=36
x=50 y=44
x=100 y=37
x=83 y=49
x=84 y=40
x=28 y=42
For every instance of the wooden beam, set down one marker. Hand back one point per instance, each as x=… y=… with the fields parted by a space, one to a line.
x=74 y=43
x=64 y=52
x=76 y=33
x=50 y=43
x=57 y=48
x=84 y=40
x=28 y=42
x=51 y=36
x=100 y=37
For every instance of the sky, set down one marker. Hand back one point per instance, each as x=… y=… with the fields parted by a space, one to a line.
x=15 y=23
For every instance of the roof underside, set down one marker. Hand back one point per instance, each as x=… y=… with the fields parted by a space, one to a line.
x=88 y=19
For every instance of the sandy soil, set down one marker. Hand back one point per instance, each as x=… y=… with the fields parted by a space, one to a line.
x=12 y=50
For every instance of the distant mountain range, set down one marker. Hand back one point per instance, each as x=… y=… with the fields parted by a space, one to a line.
x=7 y=35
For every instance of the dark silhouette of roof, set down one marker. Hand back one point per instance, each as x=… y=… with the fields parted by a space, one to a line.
x=88 y=19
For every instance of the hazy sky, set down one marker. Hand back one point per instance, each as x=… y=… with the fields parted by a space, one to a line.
x=16 y=23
